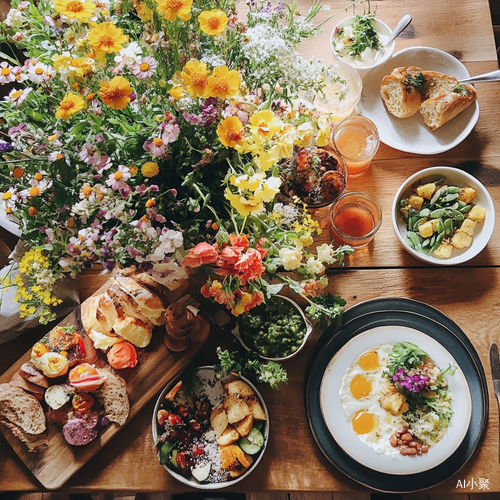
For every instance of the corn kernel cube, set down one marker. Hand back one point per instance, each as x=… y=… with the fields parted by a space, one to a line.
x=467 y=194
x=461 y=240
x=477 y=214
x=425 y=229
x=426 y=190
x=468 y=226
x=415 y=202
x=443 y=251
x=434 y=223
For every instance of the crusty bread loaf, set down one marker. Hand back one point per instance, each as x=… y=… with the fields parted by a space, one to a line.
x=134 y=330
x=441 y=109
x=401 y=101
x=112 y=394
x=22 y=414
x=125 y=304
x=32 y=441
x=437 y=84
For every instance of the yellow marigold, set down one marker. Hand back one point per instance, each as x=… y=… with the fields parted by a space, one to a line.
x=176 y=91
x=143 y=11
x=116 y=92
x=223 y=83
x=230 y=131
x=106 y=37
x=195 y=78
x=171 y=9
x=133 y=170
x=264 y=124
x=84 y=65
x=212 y=22
x=81 y=10
x=71 y=104
x=150 y=169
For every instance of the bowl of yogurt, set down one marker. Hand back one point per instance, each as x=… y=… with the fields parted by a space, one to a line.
x=357 y=40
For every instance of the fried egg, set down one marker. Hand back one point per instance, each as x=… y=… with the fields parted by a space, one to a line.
x=360 y=393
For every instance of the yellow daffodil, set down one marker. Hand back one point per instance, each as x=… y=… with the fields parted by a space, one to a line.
x=171 y=9
x=230 y=131
x=176 y=92
x=223 y=83
x=195 y=78
x=265 y=124
x=81 y=10
x=150 y=169
x=71 y=104
x=107 y=37
x=116 y=92
x=212 y=22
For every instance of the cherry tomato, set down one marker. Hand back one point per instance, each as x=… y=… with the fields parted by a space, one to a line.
x=183 y=411
x=198 y=451
x=174 y=419
x=181 y=459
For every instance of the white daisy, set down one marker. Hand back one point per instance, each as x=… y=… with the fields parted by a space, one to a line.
x=7 y=74
x=40 y=72
x=16 y=97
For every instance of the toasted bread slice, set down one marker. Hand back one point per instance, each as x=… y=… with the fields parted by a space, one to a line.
x=244 y=426
x=437 y=84
x=32 y=441
x=229 y=436
x=401 y=101
x=134 y=330
x=441 y=109
x=112 y=394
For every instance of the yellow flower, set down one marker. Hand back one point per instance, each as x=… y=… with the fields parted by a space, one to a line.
x=304 y=135
x=143 y=11
x=116 y=92
x=62 y=61
x=230 y=131
x=171 y=9
x=266 y=159
x=176 y=91
x=239 y=308
x=150 y=169
x=252 y=182
x=106 y=37
x=270 y=188
x=71 y=104
x=195 y=78
x=223 y=83
x=212 y=22
x=244 y=206
x=81 y=10
x=133 y=170
x=264 y=124
x=291 y=258
x=85 y=66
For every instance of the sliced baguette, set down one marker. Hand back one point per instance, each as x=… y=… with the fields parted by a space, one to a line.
x=441 y=109
x=400 y=100
x=112 y=394
x=437 y=84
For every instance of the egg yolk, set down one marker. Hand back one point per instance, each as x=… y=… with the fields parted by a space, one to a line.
x=369 y=361
x=360 y=387
x=363 y=422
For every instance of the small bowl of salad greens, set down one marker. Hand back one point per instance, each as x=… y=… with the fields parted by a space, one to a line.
x=276 y=330
x=357 y=40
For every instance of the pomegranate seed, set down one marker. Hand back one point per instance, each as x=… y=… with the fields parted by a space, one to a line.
x=174 y=419
x=196 y=426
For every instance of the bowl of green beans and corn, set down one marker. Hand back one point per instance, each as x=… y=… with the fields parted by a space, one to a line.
x=446 y=228
x=276 y=330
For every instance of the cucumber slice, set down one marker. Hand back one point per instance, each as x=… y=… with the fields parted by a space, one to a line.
x=252 y=443
x=258 y=425
x=173 y=460
x=202 y=472
x=165 y=452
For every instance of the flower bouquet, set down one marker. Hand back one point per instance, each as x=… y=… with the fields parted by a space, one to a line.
x=152 y=133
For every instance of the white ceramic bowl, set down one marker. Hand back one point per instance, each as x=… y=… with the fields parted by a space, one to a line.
x=457 y=177
x=384 y=32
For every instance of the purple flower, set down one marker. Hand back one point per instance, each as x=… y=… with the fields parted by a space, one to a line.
x=415 y=383
x=17 y=130
x=109 y=264
x=6 y=147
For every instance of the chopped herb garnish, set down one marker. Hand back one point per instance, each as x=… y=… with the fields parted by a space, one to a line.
x=460 y=89
x=364 y=36
x=414 y=81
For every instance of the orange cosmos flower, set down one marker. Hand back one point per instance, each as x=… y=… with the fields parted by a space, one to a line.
x=212 y=22
x=195 y=78
x=116 y=93
x=106 y=37
x=230 y=131
x=71 y=104
x=223 y=83
x=171 y=9
x=81 y=10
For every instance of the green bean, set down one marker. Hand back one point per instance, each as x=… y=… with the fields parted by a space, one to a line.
x=435 y=196
x=437 y=214
x=448 y=227
x=403 y=203
x=461 y=204
x=454 y=206
x=415 y=239
x=440 y=226
x=424 y=213
x=439 y=181
x=438 y=241
x=449 y=197
x=419 y=221
x=466 y=209
x=456 y=215
x=453 y=189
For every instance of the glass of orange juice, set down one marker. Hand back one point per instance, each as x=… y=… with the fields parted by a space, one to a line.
x=355 y=218
x=356 y=139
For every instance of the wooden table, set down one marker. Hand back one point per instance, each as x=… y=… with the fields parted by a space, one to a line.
x=468 y=294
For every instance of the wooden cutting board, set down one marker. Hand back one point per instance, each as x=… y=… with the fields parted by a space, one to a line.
x=55 y=463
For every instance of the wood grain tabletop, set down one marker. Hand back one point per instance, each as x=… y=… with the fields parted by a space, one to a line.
x=469 y=294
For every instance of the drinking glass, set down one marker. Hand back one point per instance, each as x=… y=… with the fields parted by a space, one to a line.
x=356 y=139
x=355 y=218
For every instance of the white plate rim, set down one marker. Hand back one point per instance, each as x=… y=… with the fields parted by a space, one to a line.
x=334 y=418
x=374 y=77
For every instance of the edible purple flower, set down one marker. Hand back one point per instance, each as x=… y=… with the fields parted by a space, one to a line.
x=414 y=383
x=6 y=147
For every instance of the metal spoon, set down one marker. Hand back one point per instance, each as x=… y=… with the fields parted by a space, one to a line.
x=405 y=21
x=492 y=76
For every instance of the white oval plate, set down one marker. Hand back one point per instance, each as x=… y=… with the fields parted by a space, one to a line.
x=482 y=232
x=410 y=134
x=345 y=436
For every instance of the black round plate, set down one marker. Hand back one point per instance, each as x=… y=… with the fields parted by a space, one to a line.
x=364 y=475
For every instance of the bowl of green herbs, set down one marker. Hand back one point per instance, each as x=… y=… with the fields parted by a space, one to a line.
x=276 y=330
x=357 y=40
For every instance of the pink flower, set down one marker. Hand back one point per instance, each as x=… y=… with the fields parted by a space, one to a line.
x=202 y=253
x=7 y=73
x=117 y=180
x=144 y=67
x=156 y=146
x=170 y=132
